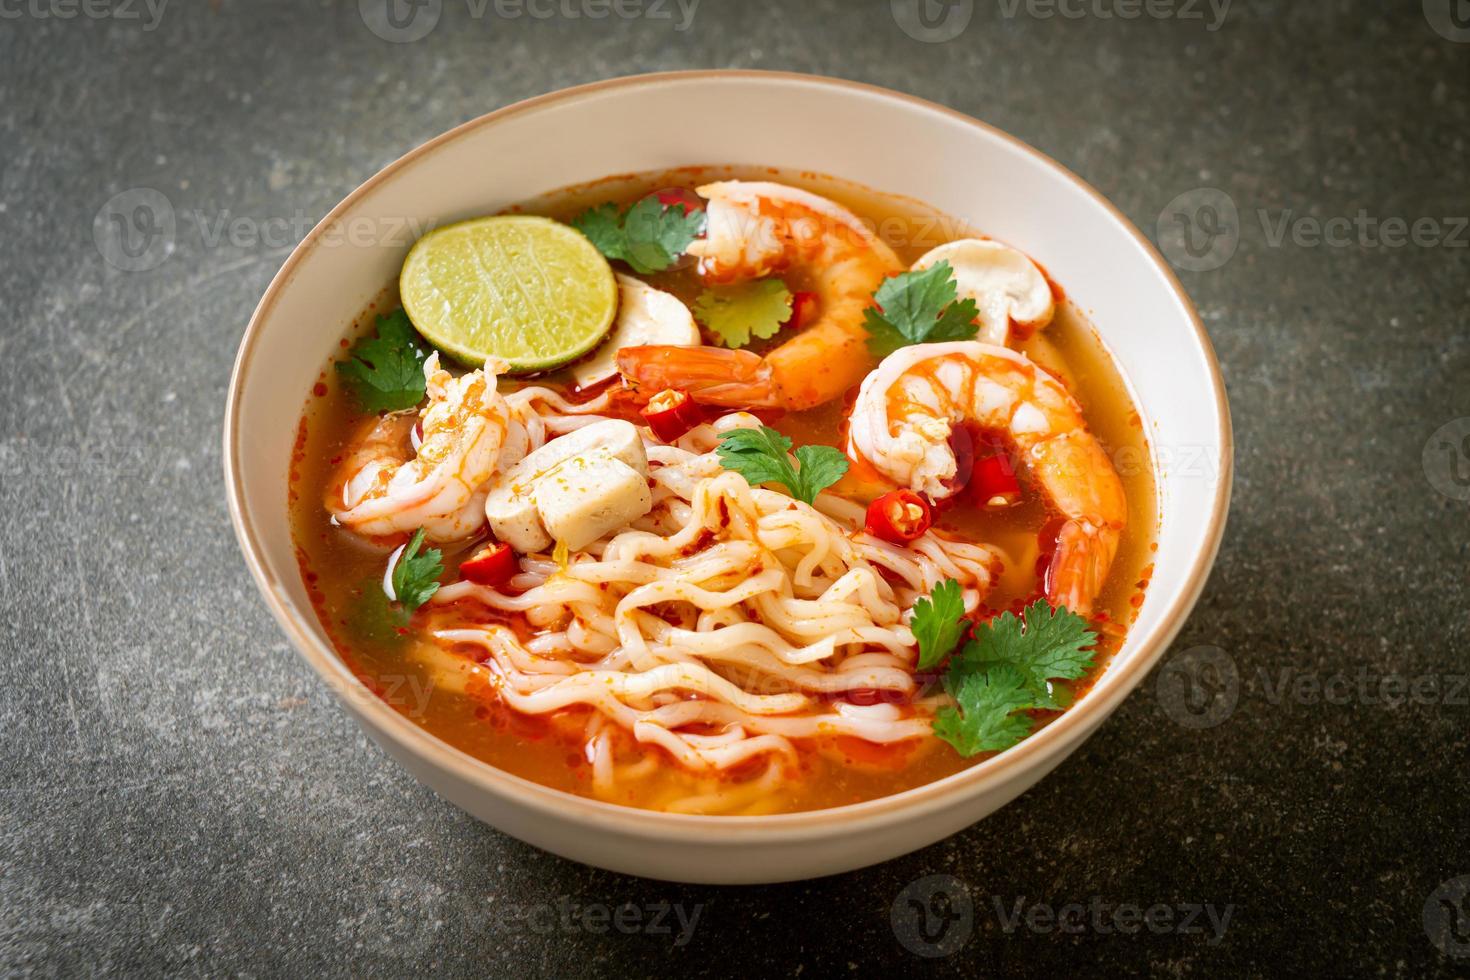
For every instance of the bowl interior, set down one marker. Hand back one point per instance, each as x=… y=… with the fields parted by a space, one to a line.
x=978 y=175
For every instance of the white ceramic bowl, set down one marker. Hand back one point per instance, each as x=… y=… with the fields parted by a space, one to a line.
x=964 y=168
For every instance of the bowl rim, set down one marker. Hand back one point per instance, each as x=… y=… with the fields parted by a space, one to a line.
x=429 y=750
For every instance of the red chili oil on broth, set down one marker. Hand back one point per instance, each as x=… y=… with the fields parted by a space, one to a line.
x=457 y=702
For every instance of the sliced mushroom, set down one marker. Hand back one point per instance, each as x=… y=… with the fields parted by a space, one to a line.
x=1005 y=284
x=645 y=316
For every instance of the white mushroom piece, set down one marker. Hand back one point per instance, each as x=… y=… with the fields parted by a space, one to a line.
x=575 y=489
x=645 y=316
x=1005 y=285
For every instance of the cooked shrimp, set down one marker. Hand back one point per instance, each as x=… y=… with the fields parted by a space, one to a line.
x=906 y=408
x=759 y=229
x=385 y=487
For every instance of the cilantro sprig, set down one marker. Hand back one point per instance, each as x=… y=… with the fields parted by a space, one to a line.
x=939 y=622
x=919 y=308
x=373 y=619
x=736 y=313
x=1004 y=670
x=985 y=719
x=386 y=371
x=649 y=236
x=415 y=575
x=1048 y=643
x=760 y=455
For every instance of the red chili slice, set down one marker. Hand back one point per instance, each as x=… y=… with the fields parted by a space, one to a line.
x=671 y=413
x=993 y=484
x=492 y=565
x=900 y=517
x=672 y=196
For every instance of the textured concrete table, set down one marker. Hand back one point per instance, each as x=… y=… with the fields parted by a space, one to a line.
x=178 y=792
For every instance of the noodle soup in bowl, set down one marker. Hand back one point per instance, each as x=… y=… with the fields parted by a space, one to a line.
x=824 y=503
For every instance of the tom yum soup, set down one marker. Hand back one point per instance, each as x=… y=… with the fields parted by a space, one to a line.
x=723 y=491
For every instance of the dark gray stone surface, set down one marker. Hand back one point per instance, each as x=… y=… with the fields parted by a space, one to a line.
x=177 y=791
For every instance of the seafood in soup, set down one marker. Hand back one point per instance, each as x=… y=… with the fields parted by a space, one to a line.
x=787 y=495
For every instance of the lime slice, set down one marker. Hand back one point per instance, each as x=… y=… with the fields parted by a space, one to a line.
x=530 y=291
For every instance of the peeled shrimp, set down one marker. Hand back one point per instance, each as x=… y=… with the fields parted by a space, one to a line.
x=385 y=487
x=901 y=424
x=759 y=229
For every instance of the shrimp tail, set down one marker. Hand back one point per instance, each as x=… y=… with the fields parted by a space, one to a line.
x=1079 y=567
x=709 y=375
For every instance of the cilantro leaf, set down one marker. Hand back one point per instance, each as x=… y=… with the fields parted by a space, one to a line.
x=919 y=307
x=373 y=619
x=939 y=622
x=657 y=235
x=883 y=337
x=759 y=455
x=821 y=466
x=649 y=236
x=386 y=372
x=1054 y=644
x=1009 y=666
x=983 y=718
x=603 y=228
x=734 y=313
x=416 y=576
x=957 y=322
